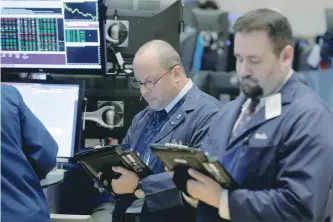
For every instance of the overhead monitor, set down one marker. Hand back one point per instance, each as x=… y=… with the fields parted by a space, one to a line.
x=58 y=36
x=58 y=107
x=140 y=21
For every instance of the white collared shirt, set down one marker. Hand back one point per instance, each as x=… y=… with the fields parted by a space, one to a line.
x=179 y=96
x=224 y=210
x=262 y=100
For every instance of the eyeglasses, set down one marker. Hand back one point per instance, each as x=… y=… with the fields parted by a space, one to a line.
x=149 y=84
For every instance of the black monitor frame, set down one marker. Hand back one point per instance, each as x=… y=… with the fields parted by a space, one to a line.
x=74 y=71
x=147 y=25
x=80 y=105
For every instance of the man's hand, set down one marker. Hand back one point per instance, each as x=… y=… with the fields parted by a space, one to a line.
x=204 y=188
x=170 y=173
x=193 y=202
x=126 y=183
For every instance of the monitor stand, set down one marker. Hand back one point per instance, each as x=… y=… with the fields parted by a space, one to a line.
x=60 y=162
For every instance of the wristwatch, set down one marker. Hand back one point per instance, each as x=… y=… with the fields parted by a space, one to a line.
x=139 y=193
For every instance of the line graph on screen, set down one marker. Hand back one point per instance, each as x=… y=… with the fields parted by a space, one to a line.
x=81 y=11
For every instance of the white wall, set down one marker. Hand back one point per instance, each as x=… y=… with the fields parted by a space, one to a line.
x=307 y=17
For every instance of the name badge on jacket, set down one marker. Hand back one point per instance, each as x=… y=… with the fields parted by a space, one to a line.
x=273 y=106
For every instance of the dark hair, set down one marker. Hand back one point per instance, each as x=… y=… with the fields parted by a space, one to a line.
x=277 y=26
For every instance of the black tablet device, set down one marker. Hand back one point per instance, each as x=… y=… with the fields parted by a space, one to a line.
x=99 y=162
x=174 y=155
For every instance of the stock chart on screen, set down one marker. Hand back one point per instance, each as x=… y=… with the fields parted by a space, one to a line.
x=50 y=34
x=80 y=11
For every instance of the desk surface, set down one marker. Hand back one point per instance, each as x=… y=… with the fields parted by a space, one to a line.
x=54 y=177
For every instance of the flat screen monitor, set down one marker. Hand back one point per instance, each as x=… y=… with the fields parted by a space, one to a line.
x=142 y=21
x=58 y=36
x=58 y=107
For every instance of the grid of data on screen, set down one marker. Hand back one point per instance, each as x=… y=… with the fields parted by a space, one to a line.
x=53 y=34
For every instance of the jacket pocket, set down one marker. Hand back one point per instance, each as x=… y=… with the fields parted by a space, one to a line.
x=255 y=164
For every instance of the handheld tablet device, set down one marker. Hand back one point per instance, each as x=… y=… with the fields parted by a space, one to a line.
x=98 y=164
x=175 y=155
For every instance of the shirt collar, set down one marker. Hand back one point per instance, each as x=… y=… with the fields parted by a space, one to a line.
x=180 y=95
x=262 y=100
x=283 y=83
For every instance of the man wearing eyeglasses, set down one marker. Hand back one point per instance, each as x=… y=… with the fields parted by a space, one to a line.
x=178 y=112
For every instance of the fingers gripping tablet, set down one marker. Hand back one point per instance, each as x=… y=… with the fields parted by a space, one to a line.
x=175 y=157
x=98 y=164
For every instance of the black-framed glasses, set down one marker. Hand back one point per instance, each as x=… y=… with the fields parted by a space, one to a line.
x=149 y=84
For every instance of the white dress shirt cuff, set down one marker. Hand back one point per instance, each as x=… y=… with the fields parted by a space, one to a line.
x=193 y=202
x=224 y=205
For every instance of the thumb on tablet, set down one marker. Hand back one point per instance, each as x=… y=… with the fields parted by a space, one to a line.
x=120 y=170
x=171 y=173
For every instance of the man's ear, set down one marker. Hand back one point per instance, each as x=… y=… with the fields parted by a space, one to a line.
x=177 y=72
x=287 y=55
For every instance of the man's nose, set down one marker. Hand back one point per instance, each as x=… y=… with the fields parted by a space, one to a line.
x=144 y=90
x=244 y=69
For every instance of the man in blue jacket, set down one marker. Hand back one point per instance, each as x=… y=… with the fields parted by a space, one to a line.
x=275 y=139
x=28 y=154
x=178 y=111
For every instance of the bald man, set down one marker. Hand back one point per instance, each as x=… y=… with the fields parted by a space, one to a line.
x=178 y=111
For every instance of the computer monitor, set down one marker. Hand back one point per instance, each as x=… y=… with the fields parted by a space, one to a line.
x=58 y=107
x=142 y=21
x=60 y=36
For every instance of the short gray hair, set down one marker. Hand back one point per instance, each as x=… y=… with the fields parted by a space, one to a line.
x=167 y=55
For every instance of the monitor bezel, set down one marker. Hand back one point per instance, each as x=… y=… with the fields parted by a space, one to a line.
x=80 y=107
x=74 y=71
